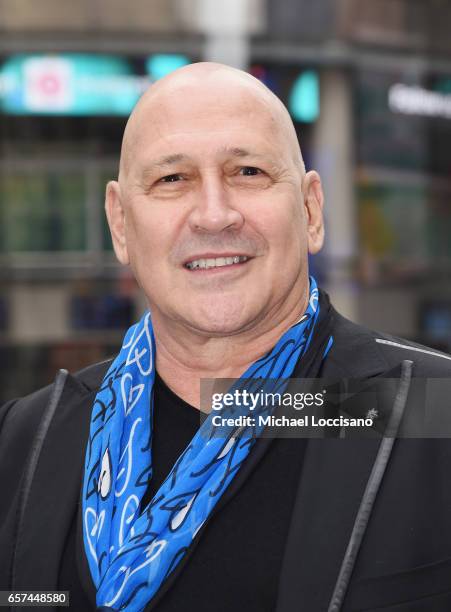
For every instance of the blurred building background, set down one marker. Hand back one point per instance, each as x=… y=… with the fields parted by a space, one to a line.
x=367 y=82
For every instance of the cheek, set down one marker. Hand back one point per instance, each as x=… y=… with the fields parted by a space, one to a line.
x=283 y=227
x=143 y=245
x=150 y=239
x=145 y=230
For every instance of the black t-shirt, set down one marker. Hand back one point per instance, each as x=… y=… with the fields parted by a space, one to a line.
x=237 y=560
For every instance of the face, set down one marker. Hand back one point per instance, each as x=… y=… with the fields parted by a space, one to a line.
x=214 y=214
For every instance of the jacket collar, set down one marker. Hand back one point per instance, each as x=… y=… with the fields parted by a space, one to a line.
x=334 y=487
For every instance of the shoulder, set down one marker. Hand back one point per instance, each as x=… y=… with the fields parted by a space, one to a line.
x=92 y=376
x=88 y=378
x=22 y=416
x=357 y=348
x=428 y=361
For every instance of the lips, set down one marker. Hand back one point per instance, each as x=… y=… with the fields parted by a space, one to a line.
x=206 y=263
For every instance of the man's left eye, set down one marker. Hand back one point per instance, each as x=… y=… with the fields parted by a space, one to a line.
x=250 y=171
x=171 y=178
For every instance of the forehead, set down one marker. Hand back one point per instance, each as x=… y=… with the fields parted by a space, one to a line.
x=207 y=122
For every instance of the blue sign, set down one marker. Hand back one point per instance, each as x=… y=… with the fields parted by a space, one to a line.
x=77 y=84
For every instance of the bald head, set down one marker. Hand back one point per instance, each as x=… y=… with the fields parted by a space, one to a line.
x=190 y=89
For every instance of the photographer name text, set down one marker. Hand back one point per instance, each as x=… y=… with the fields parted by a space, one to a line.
x=284 y=421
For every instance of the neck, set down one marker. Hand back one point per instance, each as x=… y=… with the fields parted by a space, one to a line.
x=184 y=357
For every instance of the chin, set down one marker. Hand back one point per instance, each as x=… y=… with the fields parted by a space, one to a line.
x=219 y=318
x=218 y=326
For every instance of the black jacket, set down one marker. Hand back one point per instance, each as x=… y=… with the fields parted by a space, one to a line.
x=371 y=526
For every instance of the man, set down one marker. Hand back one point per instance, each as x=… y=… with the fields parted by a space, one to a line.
x=111 y=488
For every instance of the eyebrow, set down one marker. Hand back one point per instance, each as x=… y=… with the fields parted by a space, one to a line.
x=168 y=160
x=162 y=162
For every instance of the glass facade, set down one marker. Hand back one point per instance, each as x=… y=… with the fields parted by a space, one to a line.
x=42 y=212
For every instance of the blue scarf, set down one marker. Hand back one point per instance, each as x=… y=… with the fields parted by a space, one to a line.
x=131 y=551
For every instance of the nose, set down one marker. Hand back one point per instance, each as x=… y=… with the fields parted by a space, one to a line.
x=213 y=211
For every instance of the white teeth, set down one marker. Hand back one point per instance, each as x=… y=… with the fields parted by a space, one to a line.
x=216 y=263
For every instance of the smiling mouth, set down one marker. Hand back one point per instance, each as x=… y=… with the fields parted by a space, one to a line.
x=216 y=262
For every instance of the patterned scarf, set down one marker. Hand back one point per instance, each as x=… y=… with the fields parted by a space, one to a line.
x=132 y=550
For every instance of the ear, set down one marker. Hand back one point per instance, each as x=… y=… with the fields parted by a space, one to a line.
x=313 y=203
x=116 y=220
